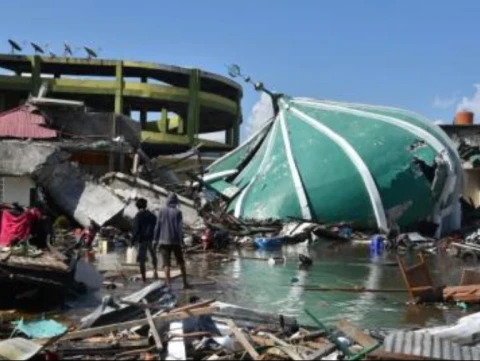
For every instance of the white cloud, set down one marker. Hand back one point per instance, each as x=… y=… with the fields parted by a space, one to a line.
x=439 y=121
x=262 y=111
x=471 y=104
x=444 y=103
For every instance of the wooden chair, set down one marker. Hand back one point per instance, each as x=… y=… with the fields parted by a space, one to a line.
x=417 y=279
x=470 y=277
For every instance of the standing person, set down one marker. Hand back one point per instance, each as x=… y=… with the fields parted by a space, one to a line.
x=143 y=232
x=169 y=235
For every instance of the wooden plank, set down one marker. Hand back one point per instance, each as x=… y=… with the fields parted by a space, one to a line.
x=319 y=353
x=193 y=306
x=190 y=335
x=285 y=347
x=243 y=340
x=355 y=334
x=461 y=289
x=137 y=323
x=308 y=337
x=264 y=342
x=467 y=298
x=153 y=327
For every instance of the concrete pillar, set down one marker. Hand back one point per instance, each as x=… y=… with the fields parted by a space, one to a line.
x=193 y=117
x=36 y=74
x=230 y=135
x=163 y=125
x=143 y=112
x=181 y=126
x=119 y=88
x=136 y=160
x=236 y=127
x=122 y=162
x=114 y=134
x=143 y=119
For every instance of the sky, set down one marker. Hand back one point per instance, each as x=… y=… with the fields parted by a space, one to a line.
x=419 y=55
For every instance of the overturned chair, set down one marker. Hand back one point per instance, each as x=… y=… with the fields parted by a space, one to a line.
x=422 y=289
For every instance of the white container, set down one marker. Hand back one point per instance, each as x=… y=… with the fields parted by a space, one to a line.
x=131 y=255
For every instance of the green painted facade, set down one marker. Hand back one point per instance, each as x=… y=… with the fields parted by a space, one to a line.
x=335 y=162
x=203 y=102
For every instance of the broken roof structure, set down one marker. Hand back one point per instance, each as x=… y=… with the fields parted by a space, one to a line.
x=333 y=162
x=24 y=123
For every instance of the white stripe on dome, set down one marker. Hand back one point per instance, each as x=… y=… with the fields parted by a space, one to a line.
x=299 y=188
x=268 y=151
x=410 y=113
x=415 y=130
x=244 y=144
x=356 y=160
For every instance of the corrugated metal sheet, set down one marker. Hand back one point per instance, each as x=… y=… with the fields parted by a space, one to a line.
x=24 y=124
x=429 y=347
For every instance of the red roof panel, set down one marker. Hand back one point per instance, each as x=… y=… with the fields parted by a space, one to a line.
x=22 y=123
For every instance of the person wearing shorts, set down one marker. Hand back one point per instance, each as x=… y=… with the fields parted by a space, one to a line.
x=143 y=233
x=169 y=235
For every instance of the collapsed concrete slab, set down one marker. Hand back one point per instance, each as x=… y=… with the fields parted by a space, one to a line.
x=78 y=196
x=130 y=188
x=71 y=190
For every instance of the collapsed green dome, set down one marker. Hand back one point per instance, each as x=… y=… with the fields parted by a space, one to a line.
x=333 y=162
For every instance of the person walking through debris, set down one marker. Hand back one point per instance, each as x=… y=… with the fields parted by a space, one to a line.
x=143 y=233
x=169 y=235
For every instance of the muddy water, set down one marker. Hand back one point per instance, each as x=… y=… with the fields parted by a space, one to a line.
x=256 y=284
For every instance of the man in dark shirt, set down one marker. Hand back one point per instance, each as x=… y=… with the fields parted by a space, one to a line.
x=169 y=235
x=143 y=233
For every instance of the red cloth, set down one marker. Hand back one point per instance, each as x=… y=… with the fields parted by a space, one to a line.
x=14 y=227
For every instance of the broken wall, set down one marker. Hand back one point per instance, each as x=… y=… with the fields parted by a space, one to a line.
x=75 y=194
x=95 y=125
x=130 y=188
x=19 y=158
x=68 y=186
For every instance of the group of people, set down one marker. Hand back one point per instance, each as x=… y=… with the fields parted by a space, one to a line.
x=162 y=232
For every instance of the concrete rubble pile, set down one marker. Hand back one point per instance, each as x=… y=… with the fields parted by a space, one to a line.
x=76 y=193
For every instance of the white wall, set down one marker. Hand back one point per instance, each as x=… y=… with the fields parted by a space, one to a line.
x=17 y=189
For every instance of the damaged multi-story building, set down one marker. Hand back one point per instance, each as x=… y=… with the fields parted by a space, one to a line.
x=466 y=136
x=67 y=122
x=68 y=128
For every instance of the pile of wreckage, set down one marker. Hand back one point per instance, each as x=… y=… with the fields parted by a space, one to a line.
x=150 y=325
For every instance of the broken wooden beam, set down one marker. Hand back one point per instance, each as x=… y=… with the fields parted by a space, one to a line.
x=285 y=347
x=153 y=327
x=138 y=323
x=355 y=334
x=243 y=340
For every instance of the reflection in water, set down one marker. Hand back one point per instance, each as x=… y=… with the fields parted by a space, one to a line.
x=367 y=299
x=294 y=300
x=237 y=268
x=255 y=284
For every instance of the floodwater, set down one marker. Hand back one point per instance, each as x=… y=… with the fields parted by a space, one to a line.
x=256 y=284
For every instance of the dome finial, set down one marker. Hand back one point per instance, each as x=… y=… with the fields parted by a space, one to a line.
x=234 y=71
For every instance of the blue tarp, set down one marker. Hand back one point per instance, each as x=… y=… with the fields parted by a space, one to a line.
x=39 y=329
